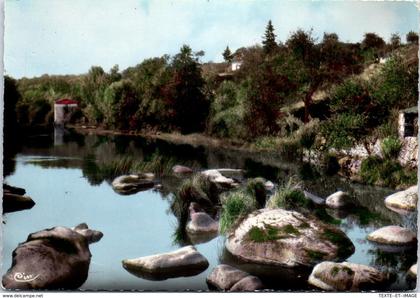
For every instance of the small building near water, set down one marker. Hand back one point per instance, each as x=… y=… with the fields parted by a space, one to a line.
x=63 y=110
x=408 y=133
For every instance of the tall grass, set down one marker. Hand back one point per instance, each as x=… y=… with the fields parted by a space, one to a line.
x=234 y=206
x=288 y=196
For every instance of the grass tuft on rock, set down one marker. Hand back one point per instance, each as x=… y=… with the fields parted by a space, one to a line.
x=289 y=196
x=235 y=204
x=256 y=188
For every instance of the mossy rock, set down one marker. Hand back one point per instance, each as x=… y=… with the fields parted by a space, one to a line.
x=286 y=238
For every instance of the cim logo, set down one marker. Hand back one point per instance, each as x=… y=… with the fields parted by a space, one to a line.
x=23 y=277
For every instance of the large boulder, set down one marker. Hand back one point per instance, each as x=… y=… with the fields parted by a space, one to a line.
x=56 y=258
x=345 y=276
x=14 y=199
x=286 y=238
x=227 y=278
x=131 y=184
x=405 y=200
x=186 y=261
x=339 y=199
x=393 y=235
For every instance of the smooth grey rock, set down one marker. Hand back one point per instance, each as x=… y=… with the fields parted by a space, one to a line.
x=345 y=276
x=131 y=184
x=186 y=261
x=405 y=200
x=223 y=277
x=201 y=222
x=178 y=169
x=294 y=241
x=247 y=284
x=393 y=235
x=339 y=199
x=56 y=258
x=216 y=177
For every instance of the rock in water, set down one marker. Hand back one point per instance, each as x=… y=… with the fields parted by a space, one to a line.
x=14 y=202
x=228 y=278
x=56 y=258
x=393 y=235
x=216 y=177
x=186 y=261
x=345 y=276
x=131 y=184
x=178 y=169
x=412 y=272
x=201 y=222
x=404 y=200
x=339 y=199
x=247 y=284
x=287 y=239
x=223 y=277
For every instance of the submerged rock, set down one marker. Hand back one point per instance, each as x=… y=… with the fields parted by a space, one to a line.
x=56 y=258
x=227 y=278
x=404 y=200
x=14 y=199
x=131 y=184
x=178 y=169
x=286 y=238
x=186 y=261
x=345 y=276
x=393 y=235
x=339 y=199
x=412 y=272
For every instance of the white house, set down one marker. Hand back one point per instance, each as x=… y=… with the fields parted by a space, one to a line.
x=63 y=109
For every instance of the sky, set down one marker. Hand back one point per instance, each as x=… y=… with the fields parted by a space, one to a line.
x=69 y=36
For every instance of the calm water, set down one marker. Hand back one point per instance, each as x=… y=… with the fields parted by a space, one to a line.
x=63 y=177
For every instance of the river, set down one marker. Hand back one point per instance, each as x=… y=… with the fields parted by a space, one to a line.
x=62 y=174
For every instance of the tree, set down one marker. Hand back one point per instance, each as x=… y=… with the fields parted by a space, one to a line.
x=227 y=55
x=412 y=38
x=269 y=39
x=372 y=41
x=187 y=104
x=395 y=41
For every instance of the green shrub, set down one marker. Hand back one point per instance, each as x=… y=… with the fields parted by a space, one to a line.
x=235 y=205
x=370 y=169
x=391 y=147
x=390 y=173
x=344 y=130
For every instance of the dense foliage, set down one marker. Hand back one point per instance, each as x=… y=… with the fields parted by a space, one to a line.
x=272 y=100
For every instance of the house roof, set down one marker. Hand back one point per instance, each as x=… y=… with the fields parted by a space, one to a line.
x=66 y=101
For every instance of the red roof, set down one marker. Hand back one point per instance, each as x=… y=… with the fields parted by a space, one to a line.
x=66 y=101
